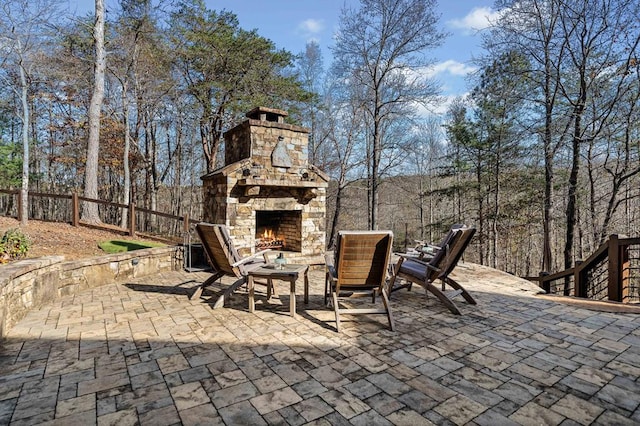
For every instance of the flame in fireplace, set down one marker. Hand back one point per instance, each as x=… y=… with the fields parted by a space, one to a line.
x=269 y=239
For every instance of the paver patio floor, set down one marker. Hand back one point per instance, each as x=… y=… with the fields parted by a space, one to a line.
x=142 y=353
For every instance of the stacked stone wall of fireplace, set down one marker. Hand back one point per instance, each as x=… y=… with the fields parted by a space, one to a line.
x=267 y=170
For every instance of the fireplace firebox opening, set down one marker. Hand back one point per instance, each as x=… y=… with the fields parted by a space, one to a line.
x=279 y=230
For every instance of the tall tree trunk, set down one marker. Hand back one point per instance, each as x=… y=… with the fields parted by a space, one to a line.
x=177 y=207
x=547 y=27
x=125 y=160
x=375 y=170
x=90 y=210
x=496 y=208
x=334 y=221
x=421 y=206
x=481 y=230
x=547 y=260
x=430 y=204
x=369 y=183
x=34 y=157
x=593 y=214
x=573 y=184
x=154 y=176
x=24 y=190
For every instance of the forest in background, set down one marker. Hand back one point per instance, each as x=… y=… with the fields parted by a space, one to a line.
x=542 y=156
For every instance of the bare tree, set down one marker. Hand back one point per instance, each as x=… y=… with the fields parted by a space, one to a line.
x=23 y=27
x=136 y=52
x=593 y=35
x=423 y=155
x=573 y=48
x=90 y=210
x=532 y=28
x=380 y=48
x=339 y=153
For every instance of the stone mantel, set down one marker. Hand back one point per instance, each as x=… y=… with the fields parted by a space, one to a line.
x=289 y=183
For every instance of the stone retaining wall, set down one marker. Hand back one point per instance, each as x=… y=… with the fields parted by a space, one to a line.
x=28 y=284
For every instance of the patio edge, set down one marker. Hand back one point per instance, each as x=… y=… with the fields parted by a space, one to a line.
x=30 y=283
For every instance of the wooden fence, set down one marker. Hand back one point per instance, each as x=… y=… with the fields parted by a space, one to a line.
x=612 y=273
x=66 y=208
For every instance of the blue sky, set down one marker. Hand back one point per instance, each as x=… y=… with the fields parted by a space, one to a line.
x=290 y=24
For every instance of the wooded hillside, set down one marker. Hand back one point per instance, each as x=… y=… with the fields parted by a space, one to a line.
x=542 y=155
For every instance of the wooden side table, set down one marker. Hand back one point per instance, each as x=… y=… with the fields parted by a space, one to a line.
x=289 y=272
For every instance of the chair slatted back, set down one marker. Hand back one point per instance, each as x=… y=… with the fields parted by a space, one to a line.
x=447 y=238
x=219 y=248
x=362 y=258
x=447 y=258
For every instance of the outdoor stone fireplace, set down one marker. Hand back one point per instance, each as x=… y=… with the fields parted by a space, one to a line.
x=267 y=192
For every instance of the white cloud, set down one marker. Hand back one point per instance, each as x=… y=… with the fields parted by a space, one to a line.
x=438 y=109
x=478 y=19
x=441 y=108
x=449 y=66
x=311 y=26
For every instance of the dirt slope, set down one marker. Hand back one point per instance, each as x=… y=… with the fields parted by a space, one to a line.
x=49 y=238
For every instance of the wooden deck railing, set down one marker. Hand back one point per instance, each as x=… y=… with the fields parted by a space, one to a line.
x=66 y=208
x=612 y=272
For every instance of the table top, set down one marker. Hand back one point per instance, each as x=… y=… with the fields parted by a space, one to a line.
x=288 y=270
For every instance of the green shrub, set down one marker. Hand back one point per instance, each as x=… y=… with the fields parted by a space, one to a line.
x=14 y=245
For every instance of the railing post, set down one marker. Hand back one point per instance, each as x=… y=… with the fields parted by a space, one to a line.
x=75 y=209
x=545 y=285
x=580 y=283
x=615 y=270
x=625 y=273
x=132 y=219
x=19 y=209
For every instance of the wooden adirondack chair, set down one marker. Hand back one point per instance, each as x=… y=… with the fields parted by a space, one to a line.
x=359 y=268
x=225 y=260
x=439 y=267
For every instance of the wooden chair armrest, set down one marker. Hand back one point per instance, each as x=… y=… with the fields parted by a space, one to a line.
x=415 y=259
x=406 y=256
x=428 y=249
x=433 y=268
x=250 y=258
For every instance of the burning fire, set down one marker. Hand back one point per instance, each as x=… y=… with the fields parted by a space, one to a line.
x=268 y=239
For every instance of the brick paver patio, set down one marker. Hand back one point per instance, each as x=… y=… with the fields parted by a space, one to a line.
x=143 y=353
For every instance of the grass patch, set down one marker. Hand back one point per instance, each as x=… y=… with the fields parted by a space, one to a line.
x=120 y=246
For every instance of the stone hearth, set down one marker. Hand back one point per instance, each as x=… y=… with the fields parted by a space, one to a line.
x=267 y=193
